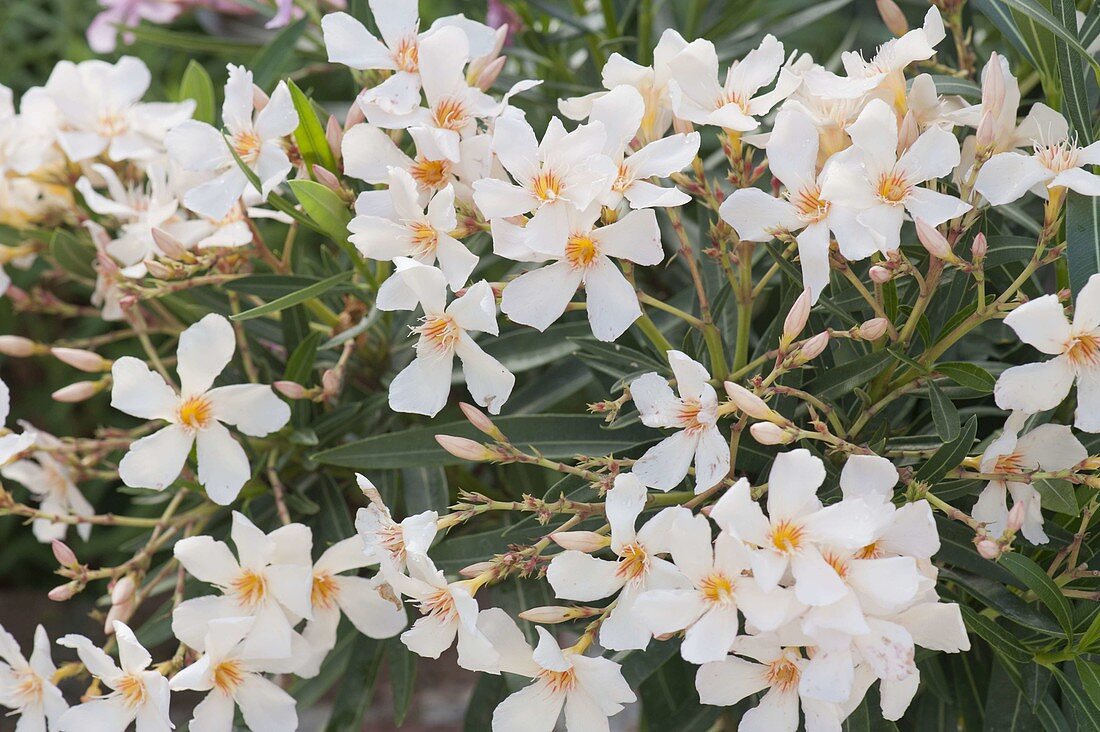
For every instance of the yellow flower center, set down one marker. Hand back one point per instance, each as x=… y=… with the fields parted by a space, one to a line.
x=633 y=561
x=809 y=204
x=688 y=415
x=1058 y=157
x=786 y=536
x=430 y=174
x=559 y=681
x=1084 y=350
x=892 y=188
x=250 y=588
x=424 y=237
x=407 y=54
x=247 y=145
x=450 y=114
x=324 y=590
x=228 y=675
x=783 y=673
x=581 y=251
x=132 y=690
x=871 y=551
x=439 y=604
x=717 y=588
x=195 y=412
x=837 y=562
x=28 y=687
x=440 y=332
x=547 y=185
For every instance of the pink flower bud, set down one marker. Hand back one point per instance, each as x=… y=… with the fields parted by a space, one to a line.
x=464 y=448
x=813 y=348
x=334 y=136
x=81 y=359
x=65 y=556
x=797 y=317
x=77 y=392
x=290 y=389
x=893 y=17
x=748 y=402
x=331 y=382
x=326 y=178
x=880 y=275
x=259 y=98
x=989 y=549
x=908 y=132
x=548 y=615
x=475 y=569
x=993 y=86
x=980 y=247
x=159 y=270
x=64 y=592
x=933 y=240
x=123 y=590
x=172 y=247
x=354 y=116
x=484 y=78
x=1016 y=517
x=17 y=346
x=767 y=433
x=986 y=136
x=481 y=421
x=581 y=541
x=873 y=329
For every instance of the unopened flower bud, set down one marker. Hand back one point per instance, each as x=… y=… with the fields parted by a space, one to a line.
x=159 y=270
x=332 y=380
x=749 y=403
x=172 y=247
x=17 y=346
x=797 y=317
x=880 y=275
x=581 y=541
x=334 y=136
x=290 y=389
x=1015 y=518
x=259 y=98
x=77 y=392
x=767 y=433
x=989 y=549
x=64 y=592
x=122 y=603
x=908 y=132
x=893 y=17
x=986 y=136
x=813 y=348
x=549 y=614
x=326 y=178
x=476 y=569
x=933 y=240
x=485 y=77
x=123 y=590
x=481 y=421
x=354 y=116
x=65 y=556
x=873 y=329
x=464 y=448
x=980 y=247
x=993 y=85
x=79 y=358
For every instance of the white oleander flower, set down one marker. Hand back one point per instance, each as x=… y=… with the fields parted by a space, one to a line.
x=448 y=612
x=138 y=694
x=1056 y=163
x=27 y=687
x=590 y=689
x=138 y=209
x=580 y=254
x=396 y=225
x=698 y=97
x=25 y=137
x=721 y=586
x=872 y=177
x=1036 y=387
x=52 y=483
x=422 y=387
x=234 y=679
x=368 y=603
x=637 y=568
x=797 y=528
x=348 y=42
x=198 y=414
x=386 y=540
x=270 y=579
x=694 y=413
x=257 y=139
x=622 y=113
x=757 y=216
x=1049 y=447
x=101 y=112
x=567 y=170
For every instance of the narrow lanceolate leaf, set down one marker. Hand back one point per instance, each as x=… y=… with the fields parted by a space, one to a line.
x=424 y=489
x=844 y=378
x=276 y=56
x=1090 y=29
x=969 y=375
x=1036 y=580
x=1082 y=238
x=196 y=84
x=1057 y=495
x=1002 y=17
x=1075 y=97
x=1003 y=642
x=402 y=667
x=950 y=455
x=327 y=210
x=310 y=134
x=1084 y=708
x=1090 y=678
x=1043 y=20
x=944 y=414
x=294 y=298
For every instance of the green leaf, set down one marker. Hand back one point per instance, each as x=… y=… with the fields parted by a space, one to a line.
x=73 y=254
x=1075 y=95
x=294 y=298
x=1090 y=678
x=961 y=87
x=1091 y=635
x=844 y=378
x=196 y=84
x=1003 y=18
x=1006 y=706
x=997 y=596
x=944 y=414
x=1042 y=18
x=1004 y=643
x=950 y=455
x=1036 y=580
x=967 y=374
x=1085 y=708
x=401 y=663
x=277 y=54
x=1082 y=238
x=556 y=436
x=271 y=286
x=324 y=207
x=1058 y=496
x=310 y=134
x=424 y=489
x=356 y=689
x=191 y=41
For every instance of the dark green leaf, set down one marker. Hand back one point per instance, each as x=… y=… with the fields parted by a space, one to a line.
x=949 y=456
x=277 y=54
x=1082 y=238
x=294 y=298
x=356 y=689
x=73 y=254
x=402 y=667
x=324 y=207
x=1036 y=580
x=967 y=374
x=1057 y=495
x=424 y=489
x=1004 y=643
x=1089 y=673
x=842 y=379
x=1084 y=708
x=196 y=84
x=944 y=414
x=1075 y=95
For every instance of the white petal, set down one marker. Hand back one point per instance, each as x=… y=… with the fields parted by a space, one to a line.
x=1041 y=323
x=539 y=297
x=214 y=713
x=1034 y=387
x=1086 y=310
x=348 y=42
x=710 y=638
x=892 y=582
x=738 y=514
x=204 y=350
x=624 y=503
x=635 y=237
x=109 y=715
x=933 y=207
x=868 y=475
x=369 y=153
x=813 y=256
x=429 y=636
x=657 y=404
x=815 y=581
x=727 y=682
x=669 y=611
x=577 y=576
x=422 y=387
x=1087 y=415
x=207 y=560
x=254 y=409
x=1079 y=180
x=490 y=384
x=140 y=392
x=666 y=156
x=156 y=460
x=712 y=459
x=612 y=302
x=932 y=155
x=535 y=708
x=755 y=215
x=223 y=464
x=1007 y=176
x=372 y=615
x=277 y=118
x=215 y=198
x=498 y=199
x=665 y=465
x=792 y=484
x=265 y=706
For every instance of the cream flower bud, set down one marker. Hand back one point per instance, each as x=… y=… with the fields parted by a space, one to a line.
x=464 y=448
x=986 y=137
x=78 y=391
x=980 y=247
x=813 y=348
x=750 y=403
x=933 y=240
x=326 y=178
x=18 y=346
x=908 y=132
x=172 y=247
x=873 y=329
x=767 y=433
x=259 y=98
x=989 y=549
x=549 y=614
x=64 y=592
x=797 y=317
x=481 y=421
x=334 y=135
x=1016 y=518
x=159 y=270
x=893 y=17
x=581 y=541
x=475 y=569
x=84 y=360
x=122 y=603
x=354 y=116
x=880 y=275
x=993 y=86
x=65 y=556
x=290 y=389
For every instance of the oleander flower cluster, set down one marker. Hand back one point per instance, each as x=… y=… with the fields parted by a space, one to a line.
x=793 y=294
